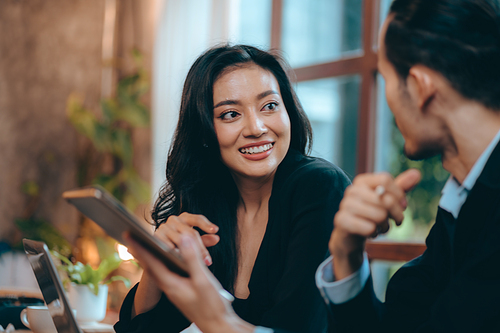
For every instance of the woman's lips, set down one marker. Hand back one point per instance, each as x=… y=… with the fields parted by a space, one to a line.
x=257 y=151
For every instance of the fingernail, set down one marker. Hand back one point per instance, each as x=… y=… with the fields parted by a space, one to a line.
x=404 y=203
x=214 y=228
x=208 y=260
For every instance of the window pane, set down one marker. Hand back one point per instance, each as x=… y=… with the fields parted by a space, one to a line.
x=389 y=156
x=332 y=107
x=253 y=25
x=321 y=31
x=384 y=9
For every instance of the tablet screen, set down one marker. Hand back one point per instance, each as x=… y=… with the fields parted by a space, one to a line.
x=102 y=208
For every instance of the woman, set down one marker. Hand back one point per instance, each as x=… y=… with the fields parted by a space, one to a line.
x=265 y=208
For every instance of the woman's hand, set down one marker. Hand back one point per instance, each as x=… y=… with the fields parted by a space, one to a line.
x=171 y=232
x=197 y=296
x=364 y=212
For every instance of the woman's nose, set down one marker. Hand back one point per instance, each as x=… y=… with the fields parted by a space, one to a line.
x=254 y=125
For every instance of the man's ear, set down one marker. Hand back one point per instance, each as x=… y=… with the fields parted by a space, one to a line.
x=421 y=84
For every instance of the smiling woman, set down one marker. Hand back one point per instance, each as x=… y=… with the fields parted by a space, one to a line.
x=240 y=182
x=251 y=122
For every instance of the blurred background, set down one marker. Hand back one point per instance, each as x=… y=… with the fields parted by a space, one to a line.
x=90 y=91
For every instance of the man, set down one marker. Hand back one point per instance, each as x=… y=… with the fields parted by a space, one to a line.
x=441 y=63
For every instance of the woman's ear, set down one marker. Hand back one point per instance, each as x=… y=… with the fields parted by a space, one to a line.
x=421 y=85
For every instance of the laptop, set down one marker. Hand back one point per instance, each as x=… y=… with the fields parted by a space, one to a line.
x=53 y=291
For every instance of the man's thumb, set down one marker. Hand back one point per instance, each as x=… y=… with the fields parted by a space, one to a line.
x=408 y=179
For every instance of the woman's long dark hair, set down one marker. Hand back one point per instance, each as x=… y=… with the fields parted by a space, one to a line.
x=197 y=180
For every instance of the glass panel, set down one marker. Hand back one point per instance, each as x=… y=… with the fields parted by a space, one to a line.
x=253 y=23
x=321 y=31
x=389 y=156
x=382 y=272
x=384 y=10
x=332 y=107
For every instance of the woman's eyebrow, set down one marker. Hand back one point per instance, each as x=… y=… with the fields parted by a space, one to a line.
x=267 y=93
x=226 y=102
x=236 y=102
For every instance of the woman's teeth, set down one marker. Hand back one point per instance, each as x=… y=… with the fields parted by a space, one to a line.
x=256 y=150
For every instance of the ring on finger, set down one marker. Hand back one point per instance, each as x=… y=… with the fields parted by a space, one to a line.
x=380 y=190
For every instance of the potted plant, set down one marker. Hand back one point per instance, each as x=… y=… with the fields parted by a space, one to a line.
x=88 y=286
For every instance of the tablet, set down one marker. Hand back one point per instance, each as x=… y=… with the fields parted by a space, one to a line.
x=102 y=208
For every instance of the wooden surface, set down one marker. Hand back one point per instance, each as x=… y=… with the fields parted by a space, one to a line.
x=393 y=251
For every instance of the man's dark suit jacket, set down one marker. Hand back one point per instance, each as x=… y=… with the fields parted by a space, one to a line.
x=454 y=286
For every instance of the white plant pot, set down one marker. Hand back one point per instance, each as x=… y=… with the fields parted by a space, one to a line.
x=90 y=308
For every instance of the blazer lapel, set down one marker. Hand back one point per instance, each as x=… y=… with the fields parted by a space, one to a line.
x=477 y=214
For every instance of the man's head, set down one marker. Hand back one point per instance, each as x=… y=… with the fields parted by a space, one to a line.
x=457 y=41
x=458 y=38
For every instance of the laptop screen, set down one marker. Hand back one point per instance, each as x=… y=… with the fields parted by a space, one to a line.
x=51 y=286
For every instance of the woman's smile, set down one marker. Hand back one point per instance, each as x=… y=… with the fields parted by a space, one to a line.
x=257 y=151
x=251 y=121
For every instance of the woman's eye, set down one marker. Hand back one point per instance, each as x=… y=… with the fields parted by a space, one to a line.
x=229 y=115
x=270 y=106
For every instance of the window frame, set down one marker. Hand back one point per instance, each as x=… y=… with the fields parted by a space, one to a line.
x=363 y=64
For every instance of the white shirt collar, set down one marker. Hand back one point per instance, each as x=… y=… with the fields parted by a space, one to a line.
x=454 y=194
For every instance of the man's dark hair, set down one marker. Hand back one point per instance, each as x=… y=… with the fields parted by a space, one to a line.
x=458 y=38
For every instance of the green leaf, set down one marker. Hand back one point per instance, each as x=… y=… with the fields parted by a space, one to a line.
x=119 y=278
x=62 y=258
x=138 y=190
x=122 y=145
x=134 y=113
x=109 y=110
x=106 y=246
x=138 y=187
x=94 y=288
x=31 y=188
x=137 y=56
x=108 y=265
x=41 y=230
x=108 y=182
x=102 y=138
x=82 y=119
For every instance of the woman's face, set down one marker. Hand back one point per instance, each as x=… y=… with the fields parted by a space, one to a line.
x=251 y=122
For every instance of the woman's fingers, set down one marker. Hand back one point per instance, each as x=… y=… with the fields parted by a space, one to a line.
x=199 y=221
x=172 y=231
x=162 y=234
x=182 y=230
x=210 y=240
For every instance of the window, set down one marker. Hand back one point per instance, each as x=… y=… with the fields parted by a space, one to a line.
x=332 y=107
x=329 y=44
